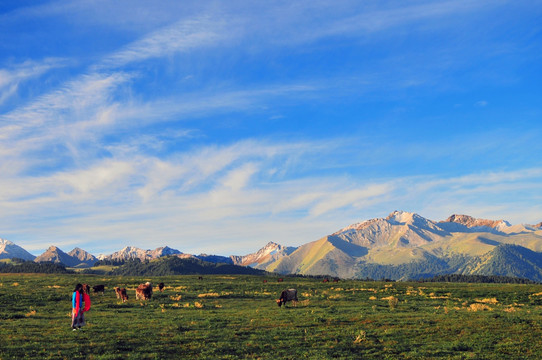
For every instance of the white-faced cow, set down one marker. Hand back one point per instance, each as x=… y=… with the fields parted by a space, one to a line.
x=287 y=295
x=144 y=291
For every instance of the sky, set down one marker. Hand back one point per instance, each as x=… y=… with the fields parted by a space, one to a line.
x=218 y=126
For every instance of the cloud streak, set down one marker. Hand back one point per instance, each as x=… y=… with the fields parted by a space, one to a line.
x=211 y=192
x=12 y=77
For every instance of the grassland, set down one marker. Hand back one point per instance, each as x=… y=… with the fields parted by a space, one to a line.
x=236 y=317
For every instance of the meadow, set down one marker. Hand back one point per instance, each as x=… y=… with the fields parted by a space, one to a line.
x=236 y=317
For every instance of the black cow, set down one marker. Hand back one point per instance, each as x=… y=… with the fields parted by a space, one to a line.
x=99 y=288
x=287 y=295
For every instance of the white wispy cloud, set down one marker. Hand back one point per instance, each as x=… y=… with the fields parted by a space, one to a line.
x=11 y=77
x=182 y=36
x=224 y=192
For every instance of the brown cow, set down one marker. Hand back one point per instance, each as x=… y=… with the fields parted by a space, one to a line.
x=123 y=294
x=161 y=286
x=117 y=292
x=280 y=280
x=144 y=291
x=287 y=295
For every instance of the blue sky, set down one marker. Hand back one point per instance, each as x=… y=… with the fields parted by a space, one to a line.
x=216 y=127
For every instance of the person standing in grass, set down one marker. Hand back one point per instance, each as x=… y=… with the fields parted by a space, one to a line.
x=77 y=307
x=86 y=300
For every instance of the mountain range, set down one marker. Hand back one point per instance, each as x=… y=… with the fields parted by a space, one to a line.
x=403 y=245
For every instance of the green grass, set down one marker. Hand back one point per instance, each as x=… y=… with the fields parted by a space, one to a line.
x=236 y=317
x=103 y=268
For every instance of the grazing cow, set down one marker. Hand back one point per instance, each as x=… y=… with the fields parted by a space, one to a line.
x=99 y=288
x=325 y=280
x=117 y=292
x=144 y=291
x=161 y=287
x=280 y=280
x=287 y=295
x=336 y=280
x=200 y=277
x=265 y=281
x=123 y=294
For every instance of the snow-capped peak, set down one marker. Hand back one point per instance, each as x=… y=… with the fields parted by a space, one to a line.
x=5 y=242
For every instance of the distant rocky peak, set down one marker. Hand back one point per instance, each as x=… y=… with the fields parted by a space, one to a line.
x=271 y=245
x=394 y=218
x=267 y=253
x=82 y=255
x=470 y=221
x=403 y=217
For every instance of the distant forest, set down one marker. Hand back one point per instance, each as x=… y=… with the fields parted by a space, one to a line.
x=23 y=266
x=488 y=279
x=172 y=265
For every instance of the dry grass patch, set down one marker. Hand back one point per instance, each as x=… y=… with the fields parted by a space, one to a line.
x=411 y=291
x=479 y=307
x=198 y=305
x=205 y=295
x=179 y=288
x=487 y=301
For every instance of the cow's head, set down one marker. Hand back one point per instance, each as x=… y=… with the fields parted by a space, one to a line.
x=279 y=302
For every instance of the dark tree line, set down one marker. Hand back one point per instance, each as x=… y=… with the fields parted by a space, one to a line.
x=110 y=262
x=459 y=278
x=173 y=265
x=22 y=266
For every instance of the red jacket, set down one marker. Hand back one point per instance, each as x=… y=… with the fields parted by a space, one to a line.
x=86 y=300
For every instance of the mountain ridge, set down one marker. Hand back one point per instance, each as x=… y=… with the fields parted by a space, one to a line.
x=401 y=244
